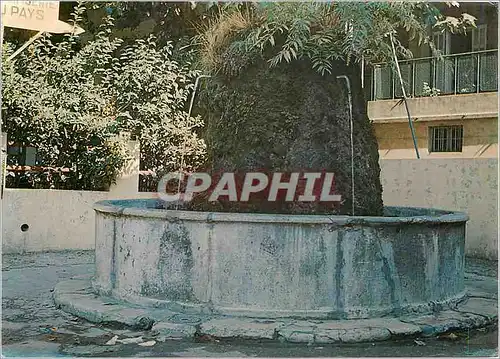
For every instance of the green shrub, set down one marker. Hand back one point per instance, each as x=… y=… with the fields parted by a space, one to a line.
x=70 y=101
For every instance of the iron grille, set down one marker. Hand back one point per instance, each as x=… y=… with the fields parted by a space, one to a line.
x=446 y=138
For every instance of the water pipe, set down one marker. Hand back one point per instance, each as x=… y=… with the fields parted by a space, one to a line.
x=349 y=96
x=191 y=103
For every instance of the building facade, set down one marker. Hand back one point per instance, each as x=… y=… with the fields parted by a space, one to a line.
x=453 y=99
x=453 y=103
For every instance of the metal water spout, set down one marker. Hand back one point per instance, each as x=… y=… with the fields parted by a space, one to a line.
x=349 y=95
x=196 y=83
x=191 y=103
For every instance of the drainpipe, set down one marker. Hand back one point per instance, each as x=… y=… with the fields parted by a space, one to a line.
x=349 y=95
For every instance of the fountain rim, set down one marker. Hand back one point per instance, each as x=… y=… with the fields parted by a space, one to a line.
x=125 y=207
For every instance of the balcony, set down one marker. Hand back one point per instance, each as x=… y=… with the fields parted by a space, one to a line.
x=466 y=73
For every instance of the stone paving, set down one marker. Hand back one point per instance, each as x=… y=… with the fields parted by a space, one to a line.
x=33 y=326
x=477 y=310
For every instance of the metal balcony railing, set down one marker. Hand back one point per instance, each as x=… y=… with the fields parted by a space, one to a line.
x=470 y=72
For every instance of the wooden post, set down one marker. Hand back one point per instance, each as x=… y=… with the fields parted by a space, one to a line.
x=25 y=45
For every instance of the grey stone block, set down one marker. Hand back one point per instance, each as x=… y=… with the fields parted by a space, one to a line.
x=240 y=328
x=174 y=330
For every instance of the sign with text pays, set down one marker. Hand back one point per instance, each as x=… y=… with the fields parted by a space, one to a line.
x=30 y=15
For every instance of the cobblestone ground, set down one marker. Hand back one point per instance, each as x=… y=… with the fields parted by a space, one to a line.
x=33 y=327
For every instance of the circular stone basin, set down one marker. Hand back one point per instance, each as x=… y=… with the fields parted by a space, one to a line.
x=274 y=265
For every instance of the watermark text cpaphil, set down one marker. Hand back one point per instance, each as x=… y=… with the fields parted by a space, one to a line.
x=290 y=187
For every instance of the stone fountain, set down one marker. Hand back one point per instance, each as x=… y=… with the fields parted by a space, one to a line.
x=305 y=278
x=275 y=266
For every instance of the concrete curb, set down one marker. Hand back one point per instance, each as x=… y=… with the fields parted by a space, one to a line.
x=76 y=297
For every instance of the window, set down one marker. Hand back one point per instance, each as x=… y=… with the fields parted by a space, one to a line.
x=479 y=38
x=442 y=41
x=444 y=68
x=446 y=139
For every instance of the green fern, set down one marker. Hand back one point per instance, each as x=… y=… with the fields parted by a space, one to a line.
x=324 y=32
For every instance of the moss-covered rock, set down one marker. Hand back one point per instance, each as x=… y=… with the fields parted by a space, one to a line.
x=290 y=119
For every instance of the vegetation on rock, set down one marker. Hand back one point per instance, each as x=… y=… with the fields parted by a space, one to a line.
x=275 y=103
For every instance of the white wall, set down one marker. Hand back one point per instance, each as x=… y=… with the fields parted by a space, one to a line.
x=57 y=219
x=468 y=185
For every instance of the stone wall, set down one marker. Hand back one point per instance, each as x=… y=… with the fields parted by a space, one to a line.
x=279 y=265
